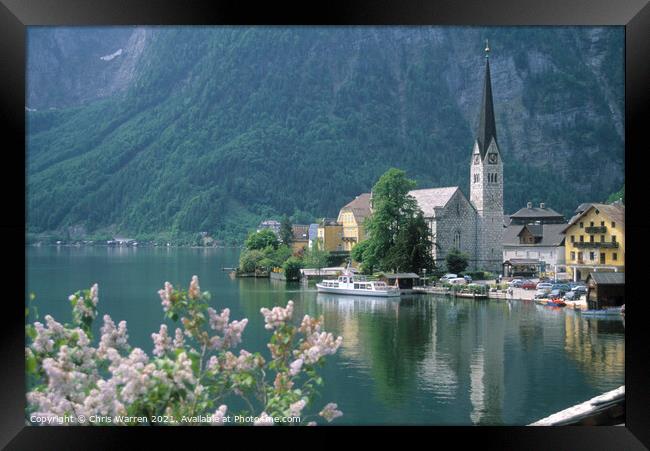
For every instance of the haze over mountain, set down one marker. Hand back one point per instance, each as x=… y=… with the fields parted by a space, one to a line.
x=166 y=132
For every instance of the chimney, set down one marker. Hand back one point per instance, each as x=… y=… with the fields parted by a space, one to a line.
x=542 y=205
x=529 y=205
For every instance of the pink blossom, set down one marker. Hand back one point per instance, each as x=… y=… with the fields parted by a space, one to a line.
x=161 y=341
x=264 y=420
x=277 y=316
x=166 y=295
x=296 y=408
x=217 y=418
x=295 y=366
x=330 y=412
x=195 y=291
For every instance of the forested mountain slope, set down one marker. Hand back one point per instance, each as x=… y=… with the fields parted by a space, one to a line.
x=213 y=128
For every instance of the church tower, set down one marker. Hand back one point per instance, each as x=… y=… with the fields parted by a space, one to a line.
x=486 y=182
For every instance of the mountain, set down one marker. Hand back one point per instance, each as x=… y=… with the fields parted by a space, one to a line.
x=211 y=129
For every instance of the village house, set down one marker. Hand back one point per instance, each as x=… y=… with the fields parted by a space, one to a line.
x=533 y=242
x=270 y=224
x=351 y=217
x=531 y=249
x=300 y=239
x=330 y=235
x=595 y=240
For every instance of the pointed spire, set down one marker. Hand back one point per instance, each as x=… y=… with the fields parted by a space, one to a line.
x=487 y=129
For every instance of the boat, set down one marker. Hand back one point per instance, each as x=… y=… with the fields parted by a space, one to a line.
x=352 y=284
x=556 y=303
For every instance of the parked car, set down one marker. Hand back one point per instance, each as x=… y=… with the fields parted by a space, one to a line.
x=528 y=285
x=556 y=294
x=561 y=286
x=544 y=286
x=571 y=296
x=541 y=293
x=581 y=289
x=515 y=283
x=458 y=281
x=468 y=279
x=448 y=277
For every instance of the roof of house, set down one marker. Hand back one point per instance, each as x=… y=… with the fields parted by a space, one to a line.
x=431 y=198
x=360 y=207
x=607 y=278
x=522 y=261
x=551 y=234
x=616 y=212
x=300 y=232
x=536 y=212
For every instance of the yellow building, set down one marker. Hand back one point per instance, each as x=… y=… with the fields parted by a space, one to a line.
x=595 y=240
x=351 y=216
x=330 y=235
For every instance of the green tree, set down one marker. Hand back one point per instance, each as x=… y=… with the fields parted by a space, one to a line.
x=358 y=254
x=249 y=261
x=286 y=232
x=456 y=261
x=292 y=267
x=412 y=249
x=393 y=208
x=261 y=240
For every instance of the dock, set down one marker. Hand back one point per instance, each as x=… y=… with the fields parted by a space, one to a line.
x=607 y=409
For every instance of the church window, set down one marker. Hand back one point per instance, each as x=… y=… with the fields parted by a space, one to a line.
x=457 y=239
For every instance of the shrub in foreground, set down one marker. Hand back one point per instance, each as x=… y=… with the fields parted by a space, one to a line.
x=191 y=375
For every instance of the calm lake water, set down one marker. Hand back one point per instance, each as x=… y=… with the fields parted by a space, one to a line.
x=417 y=360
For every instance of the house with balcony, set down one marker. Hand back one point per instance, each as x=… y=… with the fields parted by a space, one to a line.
x=595 y=240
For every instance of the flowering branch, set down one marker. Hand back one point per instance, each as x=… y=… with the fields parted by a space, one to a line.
x=187 y=376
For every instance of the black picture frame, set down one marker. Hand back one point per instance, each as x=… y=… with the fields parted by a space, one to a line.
x=16 y=15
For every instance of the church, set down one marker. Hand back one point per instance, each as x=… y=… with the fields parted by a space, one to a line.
x=473 y=226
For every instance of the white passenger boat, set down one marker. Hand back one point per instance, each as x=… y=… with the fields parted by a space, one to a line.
x=349 y=283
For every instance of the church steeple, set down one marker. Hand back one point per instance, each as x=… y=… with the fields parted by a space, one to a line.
x=487 y=129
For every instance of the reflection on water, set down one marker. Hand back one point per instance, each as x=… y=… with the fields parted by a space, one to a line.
x=412 y=360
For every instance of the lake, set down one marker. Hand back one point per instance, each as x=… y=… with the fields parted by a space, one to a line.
x=421 y=359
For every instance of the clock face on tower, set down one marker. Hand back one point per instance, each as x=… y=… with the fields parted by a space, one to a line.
x=492 y=158
x=476 y=159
